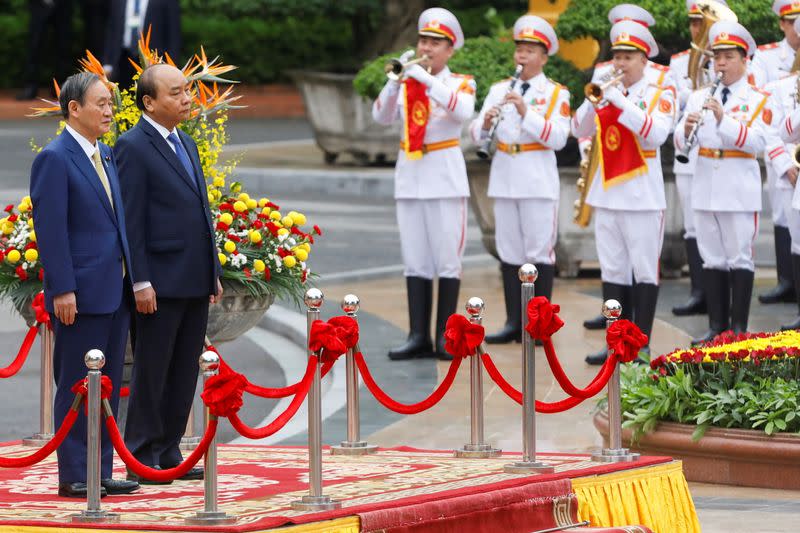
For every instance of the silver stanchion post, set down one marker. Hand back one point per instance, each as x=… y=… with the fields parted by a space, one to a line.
x=314 y=501
x=45 y=391
x=210 y=515
x=353 y=445
x=529 y=464
x=94 y=360
x=476 y=449
x=615 y=453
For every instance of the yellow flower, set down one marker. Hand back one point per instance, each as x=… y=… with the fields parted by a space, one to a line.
x=289 y=261
x=240 y=206
x=30 y=223
x=251 y=204
x=283 y=231
x=210 y=197
x=287 y=221
x=266 y=211
x=31 y=255
x=222 y=259
x=255 y=237
x=275 y=215
x=27 y=200
x=226 y=218
x=301 y=254
x=13 y=256
x=263 y=202
x=8 y=228
x=299 y=218
x=305 y=246
x=259 y=265
x=230 y=247
x=219 y=182
x=244 y=197
x=32 y=236
x=23 y=207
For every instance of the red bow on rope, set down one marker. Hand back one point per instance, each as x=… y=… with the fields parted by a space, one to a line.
x=626 y=339
x=223 y=392
x=333 y=338
x=461 y=336
x=42 y=316
x=543 y=321
x=82 y=387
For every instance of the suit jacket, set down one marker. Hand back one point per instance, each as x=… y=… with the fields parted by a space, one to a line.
x=81 y=238
x=164 y=16
x=169 y=222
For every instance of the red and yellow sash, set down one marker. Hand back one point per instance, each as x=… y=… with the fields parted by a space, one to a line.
x=417 y=107
x=621 y=157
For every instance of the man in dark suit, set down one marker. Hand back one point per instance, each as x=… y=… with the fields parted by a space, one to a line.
x=130 y=18
x=80 y=232
x=44 y=14
x=175 y=257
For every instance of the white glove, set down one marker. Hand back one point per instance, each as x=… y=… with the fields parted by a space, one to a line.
x=407 y=55
x=614 y=96
x=419 y=74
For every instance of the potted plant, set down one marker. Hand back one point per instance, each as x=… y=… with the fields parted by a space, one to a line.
x=263 y=252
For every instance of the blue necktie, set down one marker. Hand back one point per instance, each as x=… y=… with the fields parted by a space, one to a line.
x=180 y=151
x=725 y=93
x=525 y=86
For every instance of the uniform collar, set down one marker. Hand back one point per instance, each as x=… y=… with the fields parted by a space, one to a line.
x=637 y=87
x=536 y=82
x=786 y=49
x=736 y=87
x=164 y=132
x=444 y=73
x=86 y=145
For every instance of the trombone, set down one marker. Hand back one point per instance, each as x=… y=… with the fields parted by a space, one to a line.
x=594 y=91
x=395 y=68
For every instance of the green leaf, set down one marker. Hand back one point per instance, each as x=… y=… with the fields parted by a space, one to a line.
x=699 y=431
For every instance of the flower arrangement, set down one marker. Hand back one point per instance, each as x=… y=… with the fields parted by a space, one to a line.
x=259 y=248
x=746 y=381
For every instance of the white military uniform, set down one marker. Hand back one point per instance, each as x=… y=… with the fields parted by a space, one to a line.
x=786 y=120
x=524 y=177
x=726 y=188
x=629 y=217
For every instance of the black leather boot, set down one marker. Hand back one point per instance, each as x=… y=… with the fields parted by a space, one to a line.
x=741 y=293
x=420 y=300
x=512 y=330
x=718 y=302
x=448 y=299
x=624 y=295
x=796 y=277
x=544 y=283
x=696 y=305
x=784 y=290
x=645 y=297
x=599 y=322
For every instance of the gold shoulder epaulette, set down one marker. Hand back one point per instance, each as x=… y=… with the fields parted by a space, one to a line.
x=679 y=54
x=768 y=46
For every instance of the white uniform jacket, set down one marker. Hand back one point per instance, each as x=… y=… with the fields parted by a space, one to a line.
x=438 y=173
x=780 y=105
x=529 y=173
x=728 y=183
x=649 y=114
x=787 y=123
x=772 y=62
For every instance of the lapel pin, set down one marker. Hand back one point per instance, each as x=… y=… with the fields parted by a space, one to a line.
x=108 y=158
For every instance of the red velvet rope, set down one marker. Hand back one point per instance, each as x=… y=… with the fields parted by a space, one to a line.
x=39 y=310
x=22 y=354
x=47 y=449
x=625 y=340
x=147 y=472
x=462 y=337
x=595 y=386
x=283 y=418
x=407 y=409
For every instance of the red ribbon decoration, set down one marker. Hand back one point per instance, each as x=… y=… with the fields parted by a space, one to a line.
x=543 y=320
x=42 y=316
x=82 y=387
x=626 y=339
x=333 y=338
x=462 y=337
x=223 y=392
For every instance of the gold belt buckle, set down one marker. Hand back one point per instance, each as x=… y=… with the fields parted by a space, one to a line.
x=718 y=153
x=424 y=149
x=514 y=149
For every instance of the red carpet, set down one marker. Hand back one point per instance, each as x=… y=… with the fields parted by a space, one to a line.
x=257 y=484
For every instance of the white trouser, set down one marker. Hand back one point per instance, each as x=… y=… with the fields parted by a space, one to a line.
x=776 y=203
x=725 y=238
x=684 y=184
x=432 y=236
x=526 y=230
x=628 y=244
x=793 y=221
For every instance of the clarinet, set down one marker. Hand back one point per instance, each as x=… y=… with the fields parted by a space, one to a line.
x=484 y=149
x=691 y=139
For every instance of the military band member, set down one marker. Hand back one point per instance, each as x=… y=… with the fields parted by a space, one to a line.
x=653 y=73
x=726 y=187
x=627 y=193
x=772 y=62
x=784 y=103
x=533 y=123
x=430 y=177
x=679 y=68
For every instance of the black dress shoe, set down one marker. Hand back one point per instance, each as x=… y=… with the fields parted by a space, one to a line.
x=597 y=358
x=598 y=322
x=195 y=473
x=119 y=486
x=143 y=481
x=694 y=306
x=76 y=490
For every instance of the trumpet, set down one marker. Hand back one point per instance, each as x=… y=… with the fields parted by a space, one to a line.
x=594 y=91
x=691 y=139
x=485 y=147
x=395 y=68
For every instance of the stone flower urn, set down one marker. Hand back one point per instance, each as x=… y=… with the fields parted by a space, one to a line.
x=237 y=312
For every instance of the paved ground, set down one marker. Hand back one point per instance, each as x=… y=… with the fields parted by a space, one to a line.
x=359 y=253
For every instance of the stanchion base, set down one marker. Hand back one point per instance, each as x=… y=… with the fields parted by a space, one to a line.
x=611 y=455
x=210 y=518
x=189 y=443
x=37 y=440
x=94 y=517
x=477 y=451
x=524 y=467
x=354 y=448
x=316 y=503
